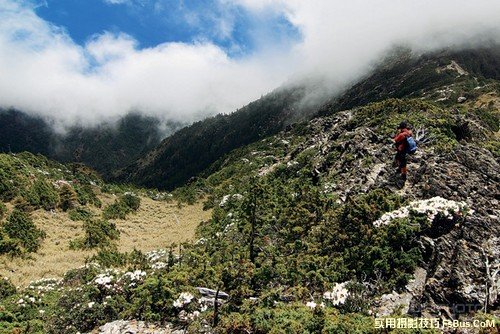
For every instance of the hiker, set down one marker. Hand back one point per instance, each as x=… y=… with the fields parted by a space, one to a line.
x=401 y=143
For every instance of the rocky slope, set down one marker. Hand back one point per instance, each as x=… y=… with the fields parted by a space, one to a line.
x=311 y=231
x=351 y=153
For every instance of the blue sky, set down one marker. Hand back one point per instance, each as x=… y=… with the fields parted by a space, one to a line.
x=236 y=29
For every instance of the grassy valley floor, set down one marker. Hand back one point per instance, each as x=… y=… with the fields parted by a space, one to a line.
x=157 y=224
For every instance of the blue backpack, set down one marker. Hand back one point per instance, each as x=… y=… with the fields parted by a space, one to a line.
x=411 y=145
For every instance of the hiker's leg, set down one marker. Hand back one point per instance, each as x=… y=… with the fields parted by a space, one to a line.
x=402 y=166
x=397 y=162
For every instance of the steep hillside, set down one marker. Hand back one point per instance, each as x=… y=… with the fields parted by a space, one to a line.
x=441 y=77
x=105 y=147
x=191 y=150
x=311 y=233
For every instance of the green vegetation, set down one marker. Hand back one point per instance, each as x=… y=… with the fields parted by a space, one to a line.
x=68 y=198
x=102 y=147
x=3 y=210
x=291 y=217
x=20 y=234
x=98 y=233
x=6 y=288
x=124 y=205
x=80 y=214
x=112 y=258
x=43 y=195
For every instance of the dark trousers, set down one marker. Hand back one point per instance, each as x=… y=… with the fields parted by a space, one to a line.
x=401 y=160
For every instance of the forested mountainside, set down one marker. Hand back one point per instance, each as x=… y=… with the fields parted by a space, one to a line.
x=192 y=149
x=440 y=77
x=105 y=147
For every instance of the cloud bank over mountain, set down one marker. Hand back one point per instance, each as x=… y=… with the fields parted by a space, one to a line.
x=44 y=71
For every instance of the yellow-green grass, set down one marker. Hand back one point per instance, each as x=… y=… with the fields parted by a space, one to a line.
x=155 y=225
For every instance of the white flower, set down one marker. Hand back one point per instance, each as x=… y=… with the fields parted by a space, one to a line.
x=311 y=304
x=103 y=279
x=20 y=301
x=91 y=304
x=226 y=198
x=41 y=311
x=338 y=295
x=430 y=207
x=184 y=299
x=159 y=265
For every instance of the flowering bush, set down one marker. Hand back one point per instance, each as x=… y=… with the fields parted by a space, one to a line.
x=431 y=208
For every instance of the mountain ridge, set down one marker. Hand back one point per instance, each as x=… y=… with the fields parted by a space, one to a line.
x=177 y=159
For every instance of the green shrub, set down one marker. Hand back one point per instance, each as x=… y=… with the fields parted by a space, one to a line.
x=110 y=258
x=3 y=210
x=124 y=205
x=8 y=245
x=113 y=258
x=131 y=201
x=86 y=195
x=22 y=204
x=43 y=194
x=115 y=211
x=6 y=288
x=80 y=214
x=99 y=233
x=20 y=226
x=8 y=189
x=80 y=276
x=67 y=197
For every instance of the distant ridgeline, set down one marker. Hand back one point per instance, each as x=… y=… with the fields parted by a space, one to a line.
x=440 y=77
x=105 y=147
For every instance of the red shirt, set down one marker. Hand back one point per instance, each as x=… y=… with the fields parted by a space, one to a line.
x=400 y=139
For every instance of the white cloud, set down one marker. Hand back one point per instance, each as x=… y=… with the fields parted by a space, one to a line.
x=43 y=71
x=116 y=2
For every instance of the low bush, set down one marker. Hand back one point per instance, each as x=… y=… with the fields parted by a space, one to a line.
x=115 y=211
x=99 y=233
x=8 y=245
x=8 y=189
x=43 y=195
x=109 y=257
x=124 y=205
x=22 y=204
x=86 y=195
x=21 y=228
x=6 y=288
x=68 y=198
x=3 y=210
x=131 y=201
x=80 y=214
